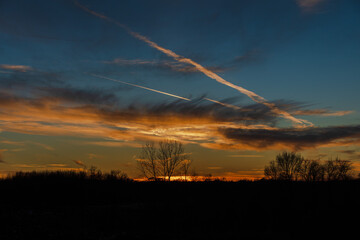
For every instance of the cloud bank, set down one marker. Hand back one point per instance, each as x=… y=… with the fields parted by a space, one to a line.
x=92 y=113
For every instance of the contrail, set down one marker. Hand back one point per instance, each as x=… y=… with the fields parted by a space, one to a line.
x=255 y=97
x=134 y=85
x=223 y=104
x=169 y=94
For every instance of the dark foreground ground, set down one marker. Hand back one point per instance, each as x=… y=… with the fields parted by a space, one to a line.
x=94 y=209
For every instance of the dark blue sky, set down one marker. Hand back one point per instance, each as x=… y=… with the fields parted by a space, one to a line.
x=302 y=55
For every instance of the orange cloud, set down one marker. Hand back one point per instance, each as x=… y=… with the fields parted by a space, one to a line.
x=309 y=5
x=18 y=68
x=210 y=126
x=321 y=112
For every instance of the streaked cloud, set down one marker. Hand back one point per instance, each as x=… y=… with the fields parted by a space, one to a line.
x=309 y=5
x=57 y=165
x=49 y=166
x=93 y=156
x=246 y=156
x=7 y=142
x=352 y=154
x=321 y=112
x=79 y=163
x=114 y=144
x=18 y=68
x=290 y=138
x=45 y=146
x=161 y=64
x=15 y=143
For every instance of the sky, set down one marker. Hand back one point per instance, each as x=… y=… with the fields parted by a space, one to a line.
x=87 y=83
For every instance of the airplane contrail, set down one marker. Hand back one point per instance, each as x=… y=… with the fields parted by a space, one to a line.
x=255 y=97
x=169 y=94
x=223 y=104
x=134 y=85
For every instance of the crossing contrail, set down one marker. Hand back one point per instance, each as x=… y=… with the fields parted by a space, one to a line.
x=255 y=97
x=168 y=94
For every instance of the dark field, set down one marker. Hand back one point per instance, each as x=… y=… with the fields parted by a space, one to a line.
x=75 y=208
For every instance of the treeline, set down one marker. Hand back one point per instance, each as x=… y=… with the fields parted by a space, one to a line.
x=93 y=173
x=287 y=166
x=291 y=166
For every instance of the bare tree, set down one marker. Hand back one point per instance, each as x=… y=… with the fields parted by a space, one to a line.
x=170 y=154
x=312 y=170
x=148 y=162
x=291 y=166
x=338 y=169
x=185 y=166
x=272 y=171
x=286 y=166
x=163 y=161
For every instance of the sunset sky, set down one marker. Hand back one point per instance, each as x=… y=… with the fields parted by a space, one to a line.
x=89 y=82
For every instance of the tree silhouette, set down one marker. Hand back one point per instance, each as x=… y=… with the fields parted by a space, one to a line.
x=338 y=169
x=147 y=161
x=286 y=166
x=291 y=166
x=272 y=171
x=162 y=161
x=185 y=166
x=312 y=170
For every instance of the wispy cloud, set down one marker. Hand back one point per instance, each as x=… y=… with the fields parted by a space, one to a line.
x=309 y=5
x=79 y=163
x=57 y=165
x=114 y=144
x=352 y=154
x=290 y=138
x=162 y=64
x=94 y=156
x=12 y=142
x=246 y=156
x=51 y=166
x=349 y=152
x=321 y=112
x=45 y=146
x=42 y=145
x=18 y=68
